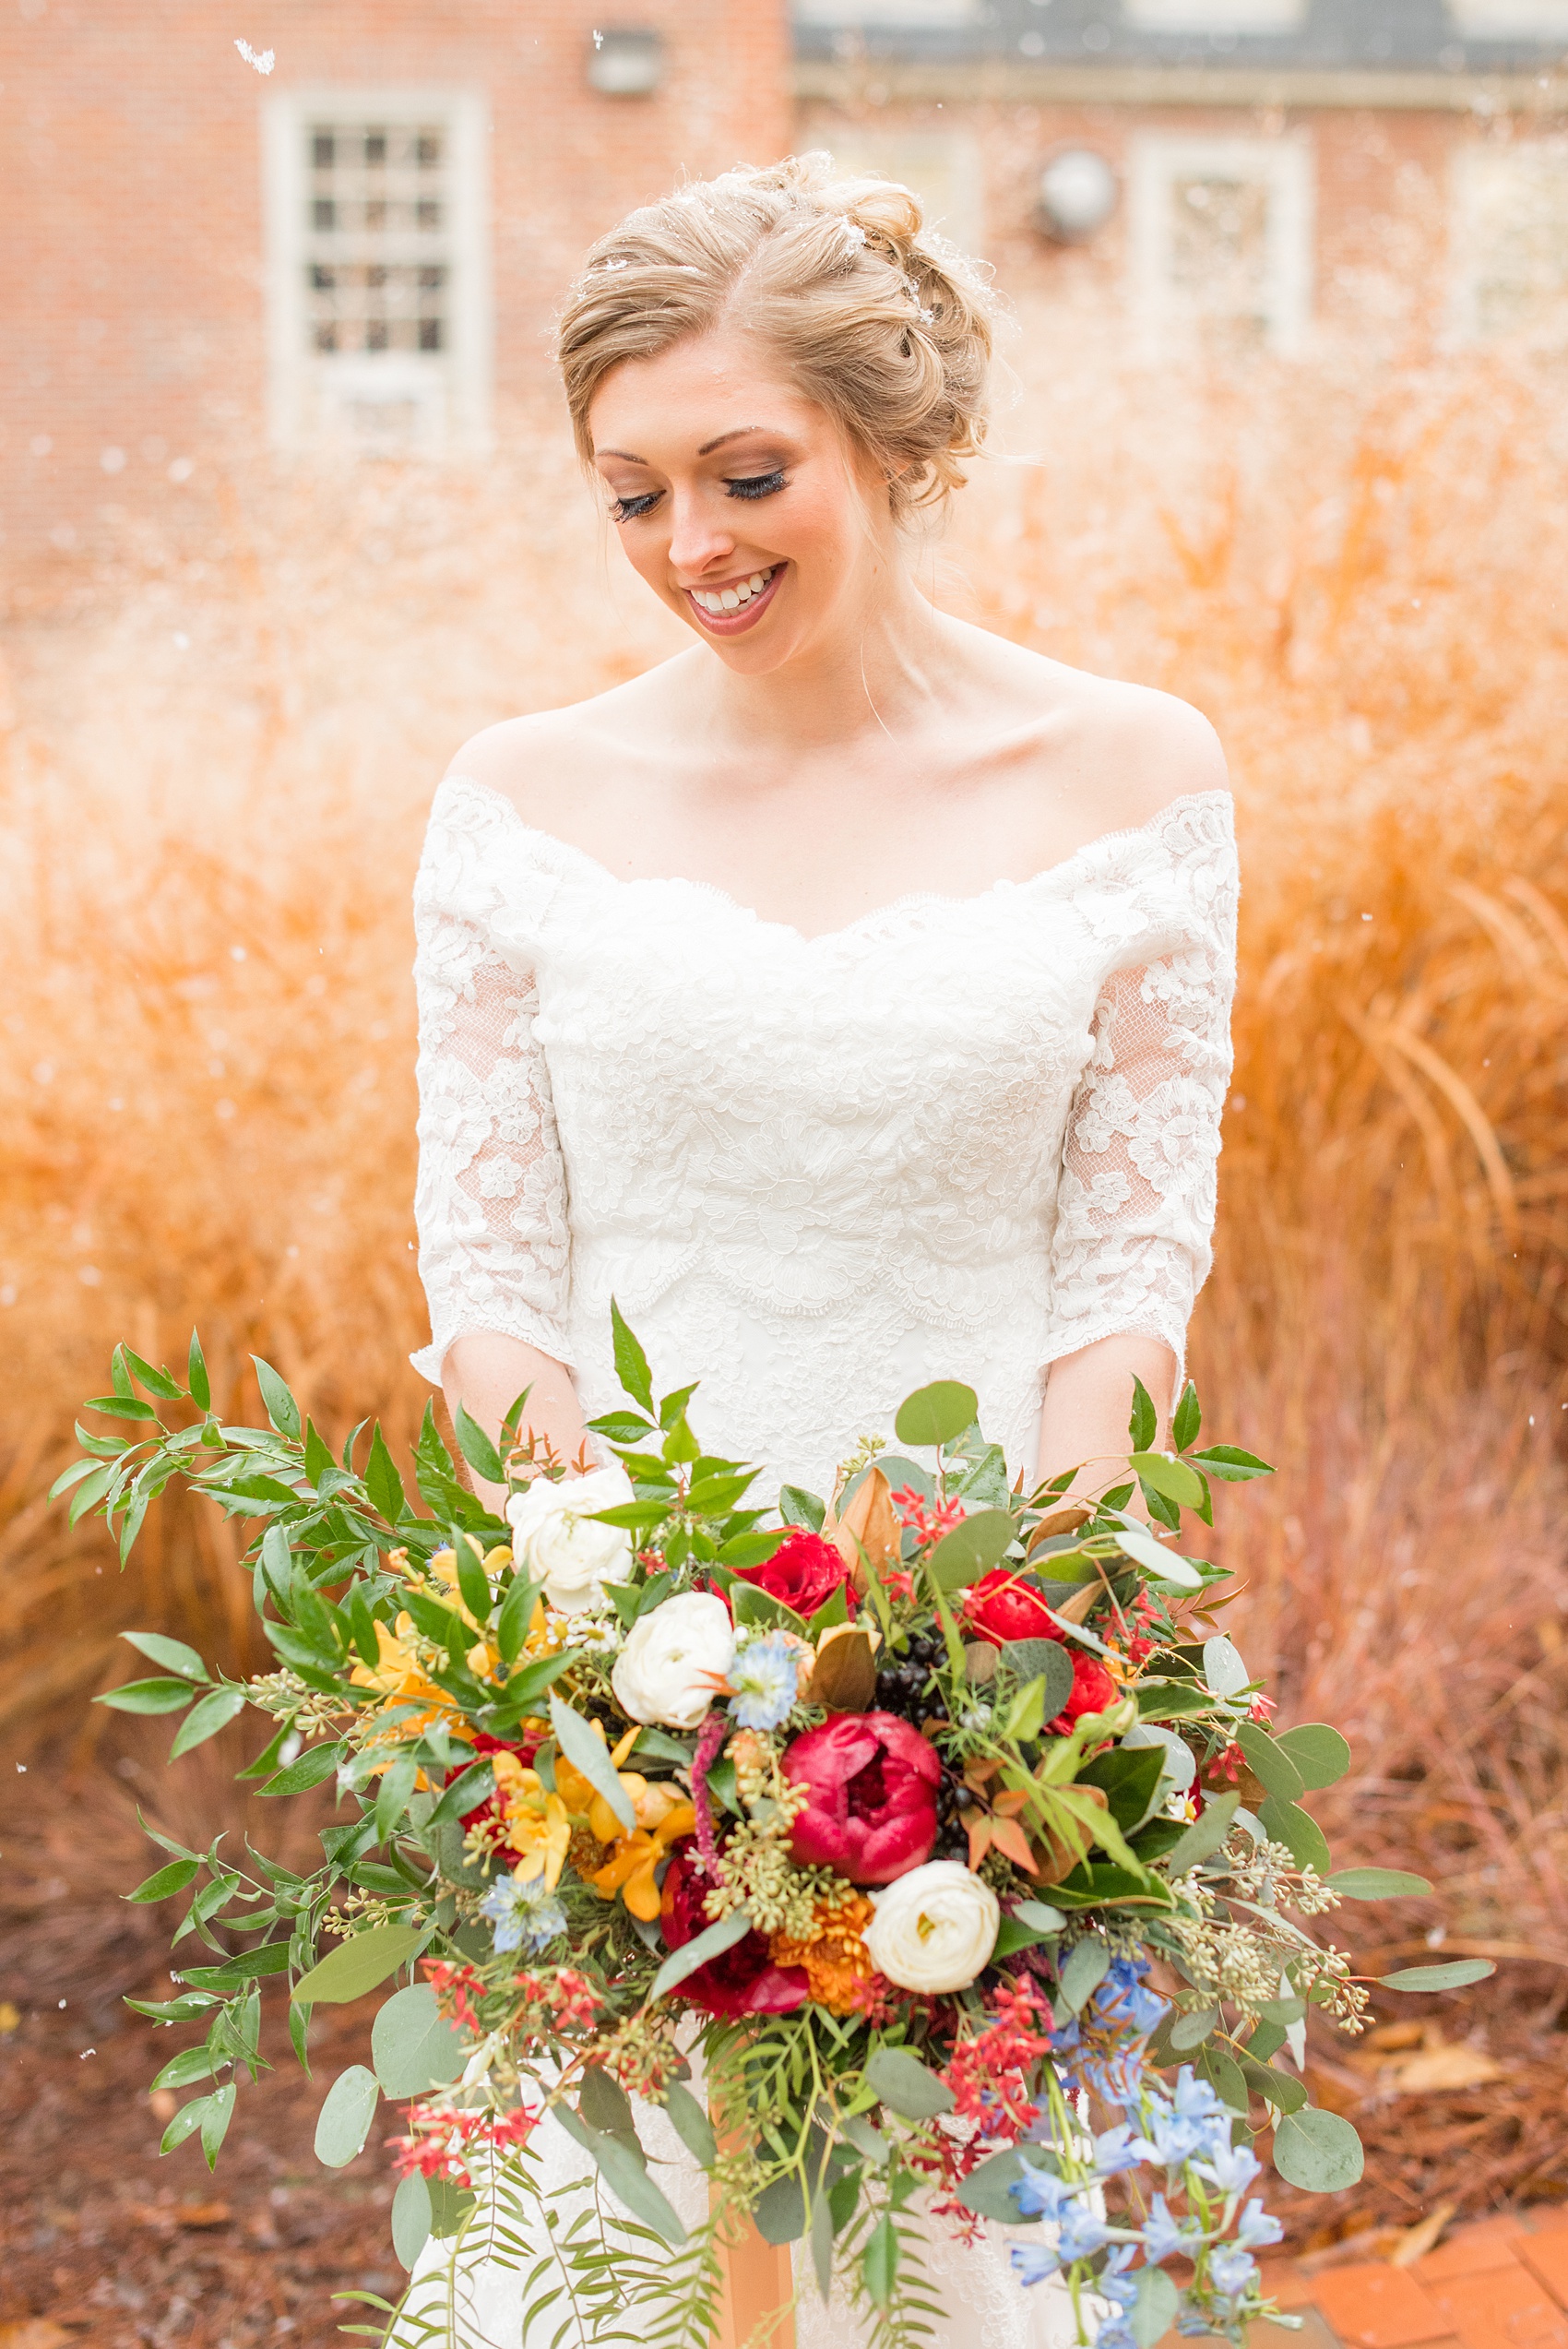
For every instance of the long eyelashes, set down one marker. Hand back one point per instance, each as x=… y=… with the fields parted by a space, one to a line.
x=628 y=509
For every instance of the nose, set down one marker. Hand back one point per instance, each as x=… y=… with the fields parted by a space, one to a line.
x=697 y=536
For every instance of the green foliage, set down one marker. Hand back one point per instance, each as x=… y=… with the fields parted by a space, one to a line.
x=344 y=2121
x=1319 y=2152
x=356 y=1966
x=937 y=1414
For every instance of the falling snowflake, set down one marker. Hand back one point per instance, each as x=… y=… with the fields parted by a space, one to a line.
x=264 y=62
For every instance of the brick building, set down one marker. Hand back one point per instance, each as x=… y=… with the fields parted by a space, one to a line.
x=360 y=248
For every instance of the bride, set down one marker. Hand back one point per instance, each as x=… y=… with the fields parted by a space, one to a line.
x=847 y=996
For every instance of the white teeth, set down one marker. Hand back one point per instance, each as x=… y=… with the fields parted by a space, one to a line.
x=733 y=599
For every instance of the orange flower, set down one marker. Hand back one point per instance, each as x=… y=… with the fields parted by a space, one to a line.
x=631 y=1860
x=836 y=1962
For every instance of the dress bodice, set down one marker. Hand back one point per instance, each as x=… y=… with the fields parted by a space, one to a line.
x=958 y=1137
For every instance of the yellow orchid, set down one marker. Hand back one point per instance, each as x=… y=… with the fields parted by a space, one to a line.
x=537 y=1827
x=630 y=1861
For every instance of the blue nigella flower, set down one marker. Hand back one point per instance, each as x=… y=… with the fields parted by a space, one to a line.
x=766 y=1678
x=525 y=1916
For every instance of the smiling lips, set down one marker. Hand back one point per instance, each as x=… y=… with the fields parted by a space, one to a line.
x=730 y=609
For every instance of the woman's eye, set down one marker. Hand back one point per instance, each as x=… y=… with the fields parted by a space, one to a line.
x=755 y=484
x=626 y=510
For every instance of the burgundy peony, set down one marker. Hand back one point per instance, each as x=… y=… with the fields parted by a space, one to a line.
x=742 y=1980
x=1001 y=1606
x=803 y=1572
x=1093 y=1690
x=872 y=1809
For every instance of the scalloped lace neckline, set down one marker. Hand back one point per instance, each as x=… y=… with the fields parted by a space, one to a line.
x=914 y=899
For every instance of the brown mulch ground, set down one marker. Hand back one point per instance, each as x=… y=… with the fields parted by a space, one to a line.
x=108 y=2240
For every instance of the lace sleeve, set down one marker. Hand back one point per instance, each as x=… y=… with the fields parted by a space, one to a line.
x=1135 y=1208
x=491 y=1199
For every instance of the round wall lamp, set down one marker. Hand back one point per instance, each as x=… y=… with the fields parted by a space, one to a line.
x=625 y=64
x=1077 y=194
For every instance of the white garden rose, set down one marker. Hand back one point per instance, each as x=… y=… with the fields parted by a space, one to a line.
x=935 y=1929
x=555 y=1541
x=672 y=1658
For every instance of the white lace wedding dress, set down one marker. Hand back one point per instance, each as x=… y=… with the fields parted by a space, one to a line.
x=959 y=1138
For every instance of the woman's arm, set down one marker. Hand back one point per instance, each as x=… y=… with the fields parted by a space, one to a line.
x=1088 y=1402
x=486 y=1374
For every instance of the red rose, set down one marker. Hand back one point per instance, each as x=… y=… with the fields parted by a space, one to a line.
x=804 y=1572
x=872 y=1809
x=742 y=1980
x=1002 y=1606
x=1093 y=1690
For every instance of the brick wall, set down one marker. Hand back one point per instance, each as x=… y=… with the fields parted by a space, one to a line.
x=132 y=269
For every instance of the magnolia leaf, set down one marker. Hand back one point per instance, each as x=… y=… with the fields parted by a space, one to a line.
x=589 y=1755
x=844 y=1678
x=937 y=1414
x=344 y=2119
x=903 y=2082
x=356 y=1966
x=691 y=1954
x=412 y=2046
x=1318 y=2152
x=1456 y=1976
x=1377 y=1884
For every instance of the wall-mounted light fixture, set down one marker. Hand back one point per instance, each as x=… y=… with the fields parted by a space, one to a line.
x=625 y=63
x=1077 y=194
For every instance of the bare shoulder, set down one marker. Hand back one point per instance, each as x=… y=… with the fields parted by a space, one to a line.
x=1149 y=747
x=548 y=761
x=1124 y=751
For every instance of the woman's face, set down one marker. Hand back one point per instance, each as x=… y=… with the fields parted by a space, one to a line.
x=739 y=501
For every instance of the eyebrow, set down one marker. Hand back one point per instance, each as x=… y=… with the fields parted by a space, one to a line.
x=706 y=451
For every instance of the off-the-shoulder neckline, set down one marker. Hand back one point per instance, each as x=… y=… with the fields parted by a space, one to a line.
x=1065 y=864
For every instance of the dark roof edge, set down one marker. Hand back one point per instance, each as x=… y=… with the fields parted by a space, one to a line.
x=882 y=80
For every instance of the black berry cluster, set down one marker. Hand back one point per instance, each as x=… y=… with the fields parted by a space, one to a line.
x=903 y=1686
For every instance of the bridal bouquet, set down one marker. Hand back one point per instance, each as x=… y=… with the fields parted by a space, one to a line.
x=926 y=1840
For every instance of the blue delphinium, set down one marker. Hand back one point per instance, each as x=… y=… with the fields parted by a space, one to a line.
x=526 y=1915
x=766 y=1678
x=1122 y=1999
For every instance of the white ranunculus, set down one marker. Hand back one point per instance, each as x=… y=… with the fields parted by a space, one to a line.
x=555 y=1541
x=935 y=1929
x=671 y=1660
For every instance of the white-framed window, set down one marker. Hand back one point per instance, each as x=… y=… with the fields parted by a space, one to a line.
x=916 y=14
x=1214 y=16
x=1510 y=241
x=1510 y=19
x=1220 y=234
x=942 y=167
x=378 y=276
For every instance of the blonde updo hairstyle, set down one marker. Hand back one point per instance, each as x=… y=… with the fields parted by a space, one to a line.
x=877 y=319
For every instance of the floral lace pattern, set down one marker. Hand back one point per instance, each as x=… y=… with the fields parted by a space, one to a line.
x=958 y=1137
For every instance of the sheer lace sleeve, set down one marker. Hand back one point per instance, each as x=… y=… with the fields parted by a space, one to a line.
x=1136 y=1209
x=491 y=1199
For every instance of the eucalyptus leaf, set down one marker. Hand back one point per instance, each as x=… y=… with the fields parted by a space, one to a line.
x=627 y=2178
x=1458 y=1975
x=1319 y=2152
x=410 y=2219
x=412 y=2046
x=1377 y=1884
x=1085 y=1968
x=1223 y=1669
x=900 y=2079
x=1269 y=1763
x=971 y=1548
x=1204 y=1836
x=988 y=2189
x=937 y=1414
x=691 y=2124
x=1155 y=2309
x=345 y=2117
x=1319 y=1752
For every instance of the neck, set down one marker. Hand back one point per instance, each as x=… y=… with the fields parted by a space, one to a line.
x=875 y=667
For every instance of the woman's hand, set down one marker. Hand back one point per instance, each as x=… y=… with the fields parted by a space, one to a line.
x=486 y=1374
x=1089 y=1401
